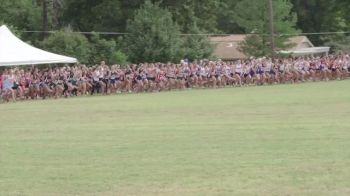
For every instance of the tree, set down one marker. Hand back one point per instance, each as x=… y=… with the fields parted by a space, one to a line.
x=153 y=36
x=322 y=16
x=338 y=43
x=69 y=43
x=252 y=16
x=106 y=50
x=13 y=29
x=253 y=45
x=87 y=15
x=342 y=8
x=23 y=14
x=57 y=12
x=45 y=14
x=196 y=44
x=205 y=13
x=226 y=20
x=119 y=57
x=86 y=51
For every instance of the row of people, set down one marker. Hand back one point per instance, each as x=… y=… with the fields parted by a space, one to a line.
x=66 y=81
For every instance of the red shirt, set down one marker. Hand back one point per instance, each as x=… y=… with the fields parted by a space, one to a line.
x=0 y=81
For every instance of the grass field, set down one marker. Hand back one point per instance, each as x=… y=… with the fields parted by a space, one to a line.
x=273 y=140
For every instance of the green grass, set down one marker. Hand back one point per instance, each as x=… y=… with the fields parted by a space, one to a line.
x=273 y=140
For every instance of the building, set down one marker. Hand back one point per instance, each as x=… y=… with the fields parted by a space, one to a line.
x=226 y=47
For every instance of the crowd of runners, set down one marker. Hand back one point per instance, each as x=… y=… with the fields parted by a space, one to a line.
x=82 y=80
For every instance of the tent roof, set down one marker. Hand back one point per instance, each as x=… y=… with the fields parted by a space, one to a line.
x=14 y=51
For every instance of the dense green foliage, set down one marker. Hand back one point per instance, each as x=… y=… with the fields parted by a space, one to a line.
x=196 y=46
x=199 y=16
x=103 y=49
x=23 y=14
x=322 y=16
x=273 y=140
x=87 y=15
x=153 y=36
x=90 y=51
x=256 y=20
x=69 y=43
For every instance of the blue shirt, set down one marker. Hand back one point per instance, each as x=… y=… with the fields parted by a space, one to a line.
x=7 y=84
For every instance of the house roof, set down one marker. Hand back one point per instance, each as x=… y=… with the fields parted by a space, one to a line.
x=300 y=42
x=226 y=47
x=232 y=38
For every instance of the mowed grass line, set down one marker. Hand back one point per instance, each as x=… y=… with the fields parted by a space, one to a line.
x=273 y=140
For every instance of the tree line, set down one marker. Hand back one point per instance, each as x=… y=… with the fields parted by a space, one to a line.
x=168 y=30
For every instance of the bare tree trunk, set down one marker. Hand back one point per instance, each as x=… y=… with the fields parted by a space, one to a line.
x=272 y=27
x=57 y=9
x=45 y=18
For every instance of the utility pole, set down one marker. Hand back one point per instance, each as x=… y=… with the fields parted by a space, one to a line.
x=272 y=27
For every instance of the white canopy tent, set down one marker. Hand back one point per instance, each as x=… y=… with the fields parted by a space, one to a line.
x=14 y=51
